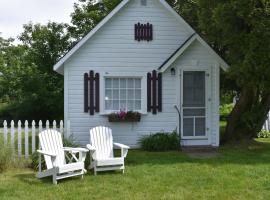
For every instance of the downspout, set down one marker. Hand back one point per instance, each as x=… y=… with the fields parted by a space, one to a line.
x=179 y=123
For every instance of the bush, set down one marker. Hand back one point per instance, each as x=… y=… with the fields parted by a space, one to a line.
x=5 y=157
x=160 y=142
x=263 y=134
x=225 y=110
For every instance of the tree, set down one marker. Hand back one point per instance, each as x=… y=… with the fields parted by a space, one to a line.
x=86 y=16
x=32 y=89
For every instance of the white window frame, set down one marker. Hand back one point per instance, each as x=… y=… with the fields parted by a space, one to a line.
x=105 y=75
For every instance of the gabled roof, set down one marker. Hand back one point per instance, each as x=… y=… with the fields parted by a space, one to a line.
x=184 y=46
x=59 y=65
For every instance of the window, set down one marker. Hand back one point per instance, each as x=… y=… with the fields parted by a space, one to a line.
x=143 y=2
x=123 y=94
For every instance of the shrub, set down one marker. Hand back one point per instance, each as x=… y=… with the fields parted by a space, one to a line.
x=160 y=142
x=225 y=110
x=263 y=134
x=5 y=157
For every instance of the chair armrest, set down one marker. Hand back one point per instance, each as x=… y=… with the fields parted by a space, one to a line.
x=124 y=149
x=90 y=147
x=46 y=153
x=121 y=145
x=75 y=150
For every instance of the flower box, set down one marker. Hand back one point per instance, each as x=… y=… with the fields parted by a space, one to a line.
x=122 y=116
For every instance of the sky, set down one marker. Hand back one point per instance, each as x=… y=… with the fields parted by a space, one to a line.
x=15 y=13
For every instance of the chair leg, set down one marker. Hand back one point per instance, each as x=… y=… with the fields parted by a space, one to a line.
x=82 y=174
x=95 y=171
x=54 y=179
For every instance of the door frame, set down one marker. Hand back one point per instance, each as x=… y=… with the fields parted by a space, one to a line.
x=208 y=99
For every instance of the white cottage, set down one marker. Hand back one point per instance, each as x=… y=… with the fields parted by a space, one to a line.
x=143 y=57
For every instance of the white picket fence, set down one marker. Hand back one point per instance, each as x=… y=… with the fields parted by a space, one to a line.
x=266 y=125
x=21 y=134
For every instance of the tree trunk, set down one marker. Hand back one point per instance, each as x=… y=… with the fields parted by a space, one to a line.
x=248 y=115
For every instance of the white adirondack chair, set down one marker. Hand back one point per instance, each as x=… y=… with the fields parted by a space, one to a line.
x=54 y=153
x=101 y=151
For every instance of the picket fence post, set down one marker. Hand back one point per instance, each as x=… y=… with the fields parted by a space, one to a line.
x=19 y=138
x=26 y=150
x=12 y=133
x=47 y=125
x=33 y=136
x=5 y=133
x=62 y=127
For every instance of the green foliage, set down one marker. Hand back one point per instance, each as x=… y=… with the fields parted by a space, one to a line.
x=160 y=142
x=86 y=16
x=263 y=134
x=5 y=157
x=28 y=83
x=225 y=110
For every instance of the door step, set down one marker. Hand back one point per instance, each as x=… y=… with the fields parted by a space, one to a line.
x=206 y=149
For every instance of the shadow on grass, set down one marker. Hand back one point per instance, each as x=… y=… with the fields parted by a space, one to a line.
x=256 y=152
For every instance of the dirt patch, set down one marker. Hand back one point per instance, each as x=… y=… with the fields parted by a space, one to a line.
x=202 y=155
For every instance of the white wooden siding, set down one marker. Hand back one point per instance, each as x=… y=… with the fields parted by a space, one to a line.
x=113 y=49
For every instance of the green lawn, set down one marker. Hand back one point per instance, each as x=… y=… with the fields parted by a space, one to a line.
x=239 y=172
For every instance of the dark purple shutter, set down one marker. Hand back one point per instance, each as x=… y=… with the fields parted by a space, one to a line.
x=149 y=92
x=91 y=92
x=159 y=92
x=86 y=92
x=136 y=31
x=151 y=32
x=97 y=92
x=154 y=92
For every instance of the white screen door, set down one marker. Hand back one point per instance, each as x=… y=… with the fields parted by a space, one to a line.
x=193 y=104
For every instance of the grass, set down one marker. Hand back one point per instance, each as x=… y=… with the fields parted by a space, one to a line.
x=239 y=172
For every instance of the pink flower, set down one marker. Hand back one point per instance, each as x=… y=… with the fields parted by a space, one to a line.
x=122 y=114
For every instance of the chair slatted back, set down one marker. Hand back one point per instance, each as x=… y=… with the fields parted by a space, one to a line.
x=101 y=138
x=51 y=141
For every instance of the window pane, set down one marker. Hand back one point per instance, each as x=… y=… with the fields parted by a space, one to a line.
x=200 y=126
x=130 y=83
x=188 y=127
x=108 y=94
x=123 y=104
x=137 y=105
x=194 y=89
x=130 y=94
x=137 y=94
x=116 y=105
x=108 y=105
x=115 y=94
x=194 y=112
x=138 y=83
x=122 y=83
x=116 y=83
x=108 y=83
x=130 y=104
x=123 y=94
